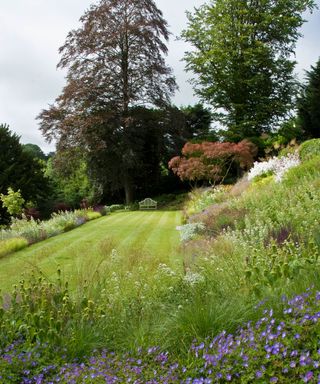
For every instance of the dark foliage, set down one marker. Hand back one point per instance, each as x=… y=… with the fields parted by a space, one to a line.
x=35 y=151
x=20 y=170
x=114 y=62
x=309 y=104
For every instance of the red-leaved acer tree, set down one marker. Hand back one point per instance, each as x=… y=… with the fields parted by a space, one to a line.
x=212 y=161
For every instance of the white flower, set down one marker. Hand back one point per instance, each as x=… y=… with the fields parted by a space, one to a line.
x=188 y=231
x=278 y=166
x=285 y=163
x=261 y=168
x=193 y=278
x=165 y=270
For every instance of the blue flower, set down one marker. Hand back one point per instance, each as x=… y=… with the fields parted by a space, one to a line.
x=307 y=377
x=259 y=374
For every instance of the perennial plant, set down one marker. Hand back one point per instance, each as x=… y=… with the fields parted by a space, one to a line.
x=275 y=165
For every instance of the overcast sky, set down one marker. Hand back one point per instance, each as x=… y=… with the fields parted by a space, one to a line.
x=31 y=31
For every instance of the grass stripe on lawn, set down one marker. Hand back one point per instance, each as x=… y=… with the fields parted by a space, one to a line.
x=152 y=232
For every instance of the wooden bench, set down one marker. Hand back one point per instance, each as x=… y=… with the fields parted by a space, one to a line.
x=148 y=204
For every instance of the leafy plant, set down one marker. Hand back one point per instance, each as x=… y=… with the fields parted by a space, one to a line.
x=20 y=171
x=276 y=165
x=211 y=161
x=102 y=209
x=13 y=201
x=200 y=199
x=91 y=215
x=31 y=230
x=115 y=207
x=308 y=103
x=34 y=230
x=190 y=230
x=12 y=245
x=309 y=149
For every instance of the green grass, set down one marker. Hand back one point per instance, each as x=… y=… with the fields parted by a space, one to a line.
x=82 y=249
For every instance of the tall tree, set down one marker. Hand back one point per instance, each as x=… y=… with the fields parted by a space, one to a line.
x=180 y=125
x=68 y=173
x=19 y=170
x=35 y=151
x=309 y=104
x=140 y=147
x=115 y=61
x=243 y=60
x=198 y=122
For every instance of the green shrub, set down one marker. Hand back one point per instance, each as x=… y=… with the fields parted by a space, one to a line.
x=13 y=201
x=12 y=245
x=69 y=225
x=264 y=178
x=116 y=207
x=67 y=220
x=308 y=170
x=170 y=201
x=35 y=231
x=51 y=227
x=287 y=150
x=309 y=149
x=104 y=211
x=132 y=207
x=200 y=199
x=28 y=229
x=91 y=215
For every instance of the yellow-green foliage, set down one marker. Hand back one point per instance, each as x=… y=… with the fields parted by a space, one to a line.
x=200 y=199
x=91 y=215
x=307 y=171
x=13 y=201
x=309 y=149
x=261 y=182
x=12 y=245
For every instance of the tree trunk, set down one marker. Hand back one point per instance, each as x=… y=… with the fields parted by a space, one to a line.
x=128 y=189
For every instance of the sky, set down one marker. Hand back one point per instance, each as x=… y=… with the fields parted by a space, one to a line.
x=31 y=32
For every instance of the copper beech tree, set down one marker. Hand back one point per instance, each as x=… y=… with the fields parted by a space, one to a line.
x=115 y=62
x=212 y=161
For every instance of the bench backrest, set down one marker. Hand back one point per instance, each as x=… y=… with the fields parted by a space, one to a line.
x=146 y=203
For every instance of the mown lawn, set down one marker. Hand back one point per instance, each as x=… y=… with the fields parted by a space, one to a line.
x=80 y=251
